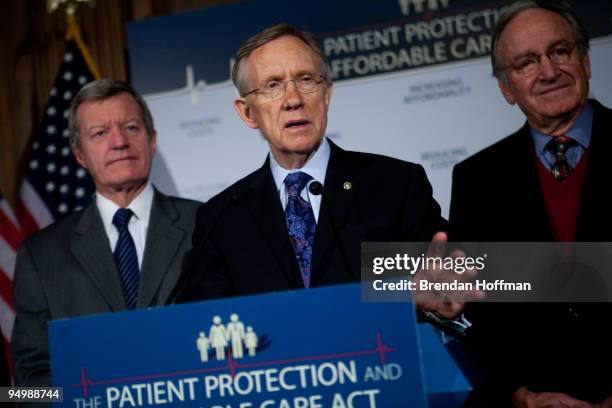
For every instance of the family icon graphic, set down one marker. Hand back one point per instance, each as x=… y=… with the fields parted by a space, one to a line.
x=221 y=336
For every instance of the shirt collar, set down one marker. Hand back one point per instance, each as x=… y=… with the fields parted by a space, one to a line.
x=316 y=167
x=140 y=206
x=580 y=131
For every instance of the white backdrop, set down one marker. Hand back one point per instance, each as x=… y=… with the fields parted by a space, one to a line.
x=433 y=116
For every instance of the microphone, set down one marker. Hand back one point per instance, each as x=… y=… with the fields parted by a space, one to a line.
x=315 y=188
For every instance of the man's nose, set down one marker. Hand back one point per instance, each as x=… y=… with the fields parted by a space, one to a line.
x=548 y=70
x=118 y=138
x=293 y=96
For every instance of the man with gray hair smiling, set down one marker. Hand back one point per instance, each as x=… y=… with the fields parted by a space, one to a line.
x=120 y=253
x=542 y=183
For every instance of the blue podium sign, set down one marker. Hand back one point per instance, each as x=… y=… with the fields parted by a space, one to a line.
x=303 y=349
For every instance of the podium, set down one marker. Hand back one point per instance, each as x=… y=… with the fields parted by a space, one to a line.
x=311 y=348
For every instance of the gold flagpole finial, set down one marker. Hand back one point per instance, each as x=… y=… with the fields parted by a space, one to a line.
x=72 y=29
x=71 y=5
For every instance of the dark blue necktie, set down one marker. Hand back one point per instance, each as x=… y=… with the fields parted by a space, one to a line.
x=300 y=222
x=126 y=257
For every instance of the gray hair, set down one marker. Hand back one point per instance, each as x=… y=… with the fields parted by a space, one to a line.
x=561 y=8
x=239 y=76
x=101 y=90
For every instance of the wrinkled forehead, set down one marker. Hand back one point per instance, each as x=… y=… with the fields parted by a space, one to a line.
x=282 y=57
x=121 y=104
x=533 y=30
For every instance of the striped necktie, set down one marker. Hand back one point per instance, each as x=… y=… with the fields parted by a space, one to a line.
x=126 y=257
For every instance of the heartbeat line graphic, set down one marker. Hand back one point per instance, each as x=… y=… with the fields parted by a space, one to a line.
x=232 y=365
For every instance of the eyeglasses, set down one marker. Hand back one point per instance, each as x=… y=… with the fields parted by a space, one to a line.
x=530 y=64
x=275 y=89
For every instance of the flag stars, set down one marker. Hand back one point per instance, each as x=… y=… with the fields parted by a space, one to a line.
x=60 y=181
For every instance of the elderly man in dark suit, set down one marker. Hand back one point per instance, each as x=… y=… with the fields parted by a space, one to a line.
x=299 y=220
x=122 y=252
x=542 y=183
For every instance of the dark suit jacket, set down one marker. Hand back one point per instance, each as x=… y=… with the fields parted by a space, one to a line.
x=5 y=379
x=241 y=244
x=68 y=269
x=497 y=197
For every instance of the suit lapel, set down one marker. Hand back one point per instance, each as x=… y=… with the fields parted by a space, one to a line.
x=163 y=242
x=89 y=245
x=335 y=204
x=268 y=215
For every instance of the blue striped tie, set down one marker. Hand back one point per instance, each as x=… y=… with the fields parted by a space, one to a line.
x=126 y=257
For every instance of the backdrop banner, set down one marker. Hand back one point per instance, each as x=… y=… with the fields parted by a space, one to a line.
x=412 y=80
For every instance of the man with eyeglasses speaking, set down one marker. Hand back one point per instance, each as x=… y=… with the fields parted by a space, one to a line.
x=542 y=183
x=299 y=220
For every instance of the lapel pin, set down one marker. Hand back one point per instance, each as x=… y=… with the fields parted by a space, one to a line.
x=347 y=185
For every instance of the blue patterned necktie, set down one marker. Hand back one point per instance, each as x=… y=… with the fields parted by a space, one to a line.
x=300 y=223
x=126 y=257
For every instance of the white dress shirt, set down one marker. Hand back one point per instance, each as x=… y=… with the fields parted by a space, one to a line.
x=316 y=167
x=138 y=224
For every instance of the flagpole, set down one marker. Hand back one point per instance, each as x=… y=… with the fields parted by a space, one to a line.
x=74 y=33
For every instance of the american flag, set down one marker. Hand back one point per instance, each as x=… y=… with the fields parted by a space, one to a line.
x=54 y=184
x=10 y=237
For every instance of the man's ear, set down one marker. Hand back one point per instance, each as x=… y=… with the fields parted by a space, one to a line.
x=153 y=142
x=328 y=93
x=586 y=62
x=78 y=154
x=246 y=113
x=504 y=87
